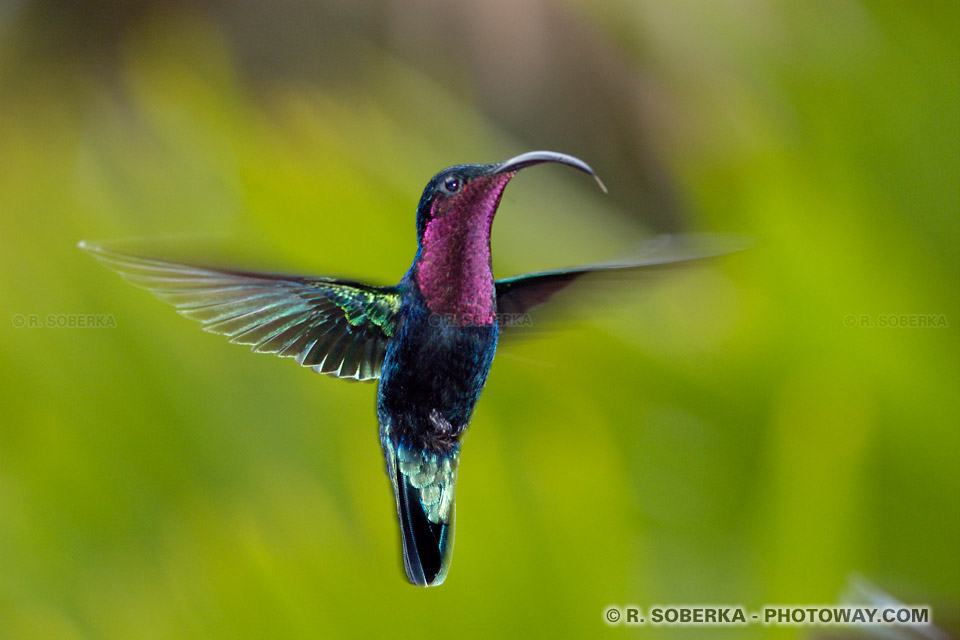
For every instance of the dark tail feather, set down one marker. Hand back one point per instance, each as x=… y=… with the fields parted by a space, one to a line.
x=427 y=545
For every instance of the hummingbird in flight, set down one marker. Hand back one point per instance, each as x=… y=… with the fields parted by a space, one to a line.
x=429 y=340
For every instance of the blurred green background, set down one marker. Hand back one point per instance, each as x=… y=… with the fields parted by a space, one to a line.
x=738 y=434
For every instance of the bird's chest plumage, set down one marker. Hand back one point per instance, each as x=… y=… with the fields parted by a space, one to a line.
x=453 y=272
x=432 y=376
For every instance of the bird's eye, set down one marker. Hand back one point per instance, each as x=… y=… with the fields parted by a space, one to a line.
x=452 y=185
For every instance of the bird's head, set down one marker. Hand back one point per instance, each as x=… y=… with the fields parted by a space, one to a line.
x=467 y=195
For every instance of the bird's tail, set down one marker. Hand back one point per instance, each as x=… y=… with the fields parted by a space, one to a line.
x=423 y=485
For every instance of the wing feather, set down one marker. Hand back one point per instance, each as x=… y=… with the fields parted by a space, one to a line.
x=518 y=295
x=334 y=326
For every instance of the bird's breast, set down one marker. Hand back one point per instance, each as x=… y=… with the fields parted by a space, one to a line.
x=432 y=378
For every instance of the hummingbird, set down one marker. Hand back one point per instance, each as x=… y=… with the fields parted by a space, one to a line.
x=429 y=340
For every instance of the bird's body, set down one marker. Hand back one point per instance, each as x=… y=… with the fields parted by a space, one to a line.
x=432 y=375
x=431 y=379
x=430 y=340
x=438 y=361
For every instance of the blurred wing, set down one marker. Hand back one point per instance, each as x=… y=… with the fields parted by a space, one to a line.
x=517 y=296
x=336 y=327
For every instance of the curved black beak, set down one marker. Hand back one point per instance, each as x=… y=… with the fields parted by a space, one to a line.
x=531 y=158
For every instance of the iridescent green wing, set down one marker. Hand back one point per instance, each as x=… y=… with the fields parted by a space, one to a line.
x=336 y=327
